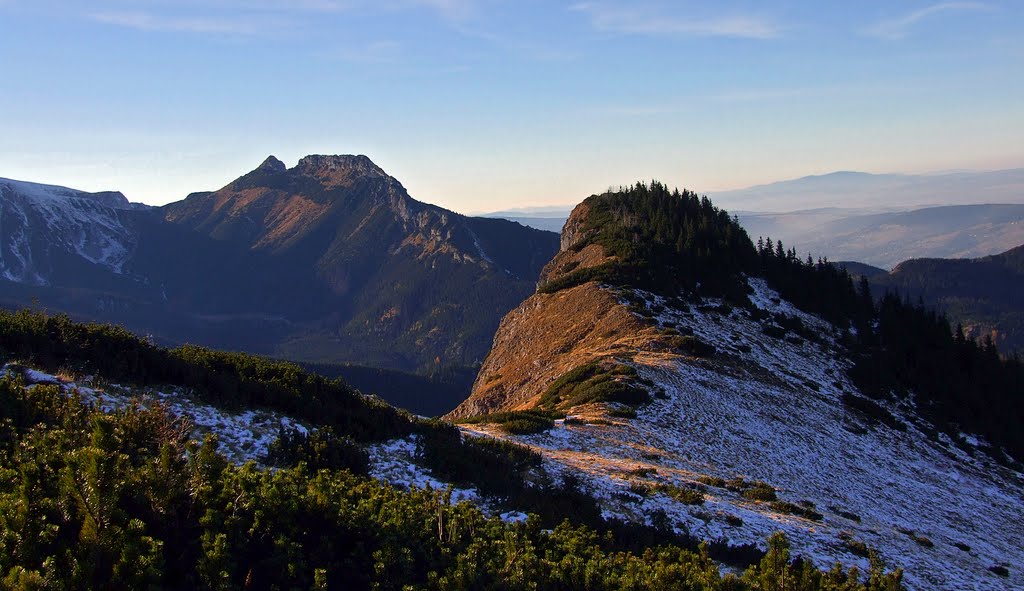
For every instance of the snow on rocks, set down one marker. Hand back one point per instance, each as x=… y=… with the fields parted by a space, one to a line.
x=513 y=516
x=394 y=462
x=92 y=226
x=770 y=409
x=247 y=435
x=37 y=377
x=243 y=436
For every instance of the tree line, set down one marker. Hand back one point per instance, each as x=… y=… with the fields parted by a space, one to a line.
x=223 y=379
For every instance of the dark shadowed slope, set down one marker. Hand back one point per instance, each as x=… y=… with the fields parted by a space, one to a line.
x=985 y=295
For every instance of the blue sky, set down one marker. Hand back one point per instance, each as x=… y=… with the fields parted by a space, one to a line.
x=487 y=104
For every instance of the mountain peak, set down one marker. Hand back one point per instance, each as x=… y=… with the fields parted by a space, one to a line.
x=339 y=167
x=650 y=237
x=272 y=164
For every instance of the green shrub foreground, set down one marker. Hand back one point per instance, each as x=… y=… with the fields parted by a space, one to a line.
x=125 y=501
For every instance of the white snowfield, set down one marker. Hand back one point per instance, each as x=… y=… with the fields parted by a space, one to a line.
x=769 y=409
x=89 y=225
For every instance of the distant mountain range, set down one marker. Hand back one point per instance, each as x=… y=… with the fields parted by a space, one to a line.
x=876 y=219
x=328 y=261
x=878 y=192
x=886 y=239
x=549 y=218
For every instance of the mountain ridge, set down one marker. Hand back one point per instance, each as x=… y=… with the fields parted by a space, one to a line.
x=883 y=191
x=608 y=239
x=327 y=261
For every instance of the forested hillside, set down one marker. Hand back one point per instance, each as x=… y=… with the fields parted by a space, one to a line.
x=905 y=350
x=691 y=376
x=656 y=239
x=983 y=295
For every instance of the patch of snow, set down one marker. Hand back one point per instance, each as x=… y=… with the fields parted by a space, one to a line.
x=243 y=436
x=41 y=192
x=38 y=377
x=394 y=462
x=16 y=255
x=971 y=440
x=767 y=299
x=513 y=516
x=479 y=247
x=247 y=435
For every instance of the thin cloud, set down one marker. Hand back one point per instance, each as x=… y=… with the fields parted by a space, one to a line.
x=455 y=10
x=300 y=5
x=144 y=21
x=248 y=17
x=637 y=111
x=378 y=52
x=757 y=95
x=520 y=45
x=239 y=18
x=244 y=6
x=635 y=20
x=898 y=28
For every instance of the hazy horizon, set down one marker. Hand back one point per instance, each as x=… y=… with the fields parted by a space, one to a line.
x=480 y=105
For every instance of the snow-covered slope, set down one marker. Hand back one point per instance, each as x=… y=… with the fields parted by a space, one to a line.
x=771 y=409
x=42 y=224
x=246 y=435
x=242 y=435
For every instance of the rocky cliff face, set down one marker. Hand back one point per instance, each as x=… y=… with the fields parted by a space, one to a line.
x=547 y=336
x=550 y=334
x=274 y=208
